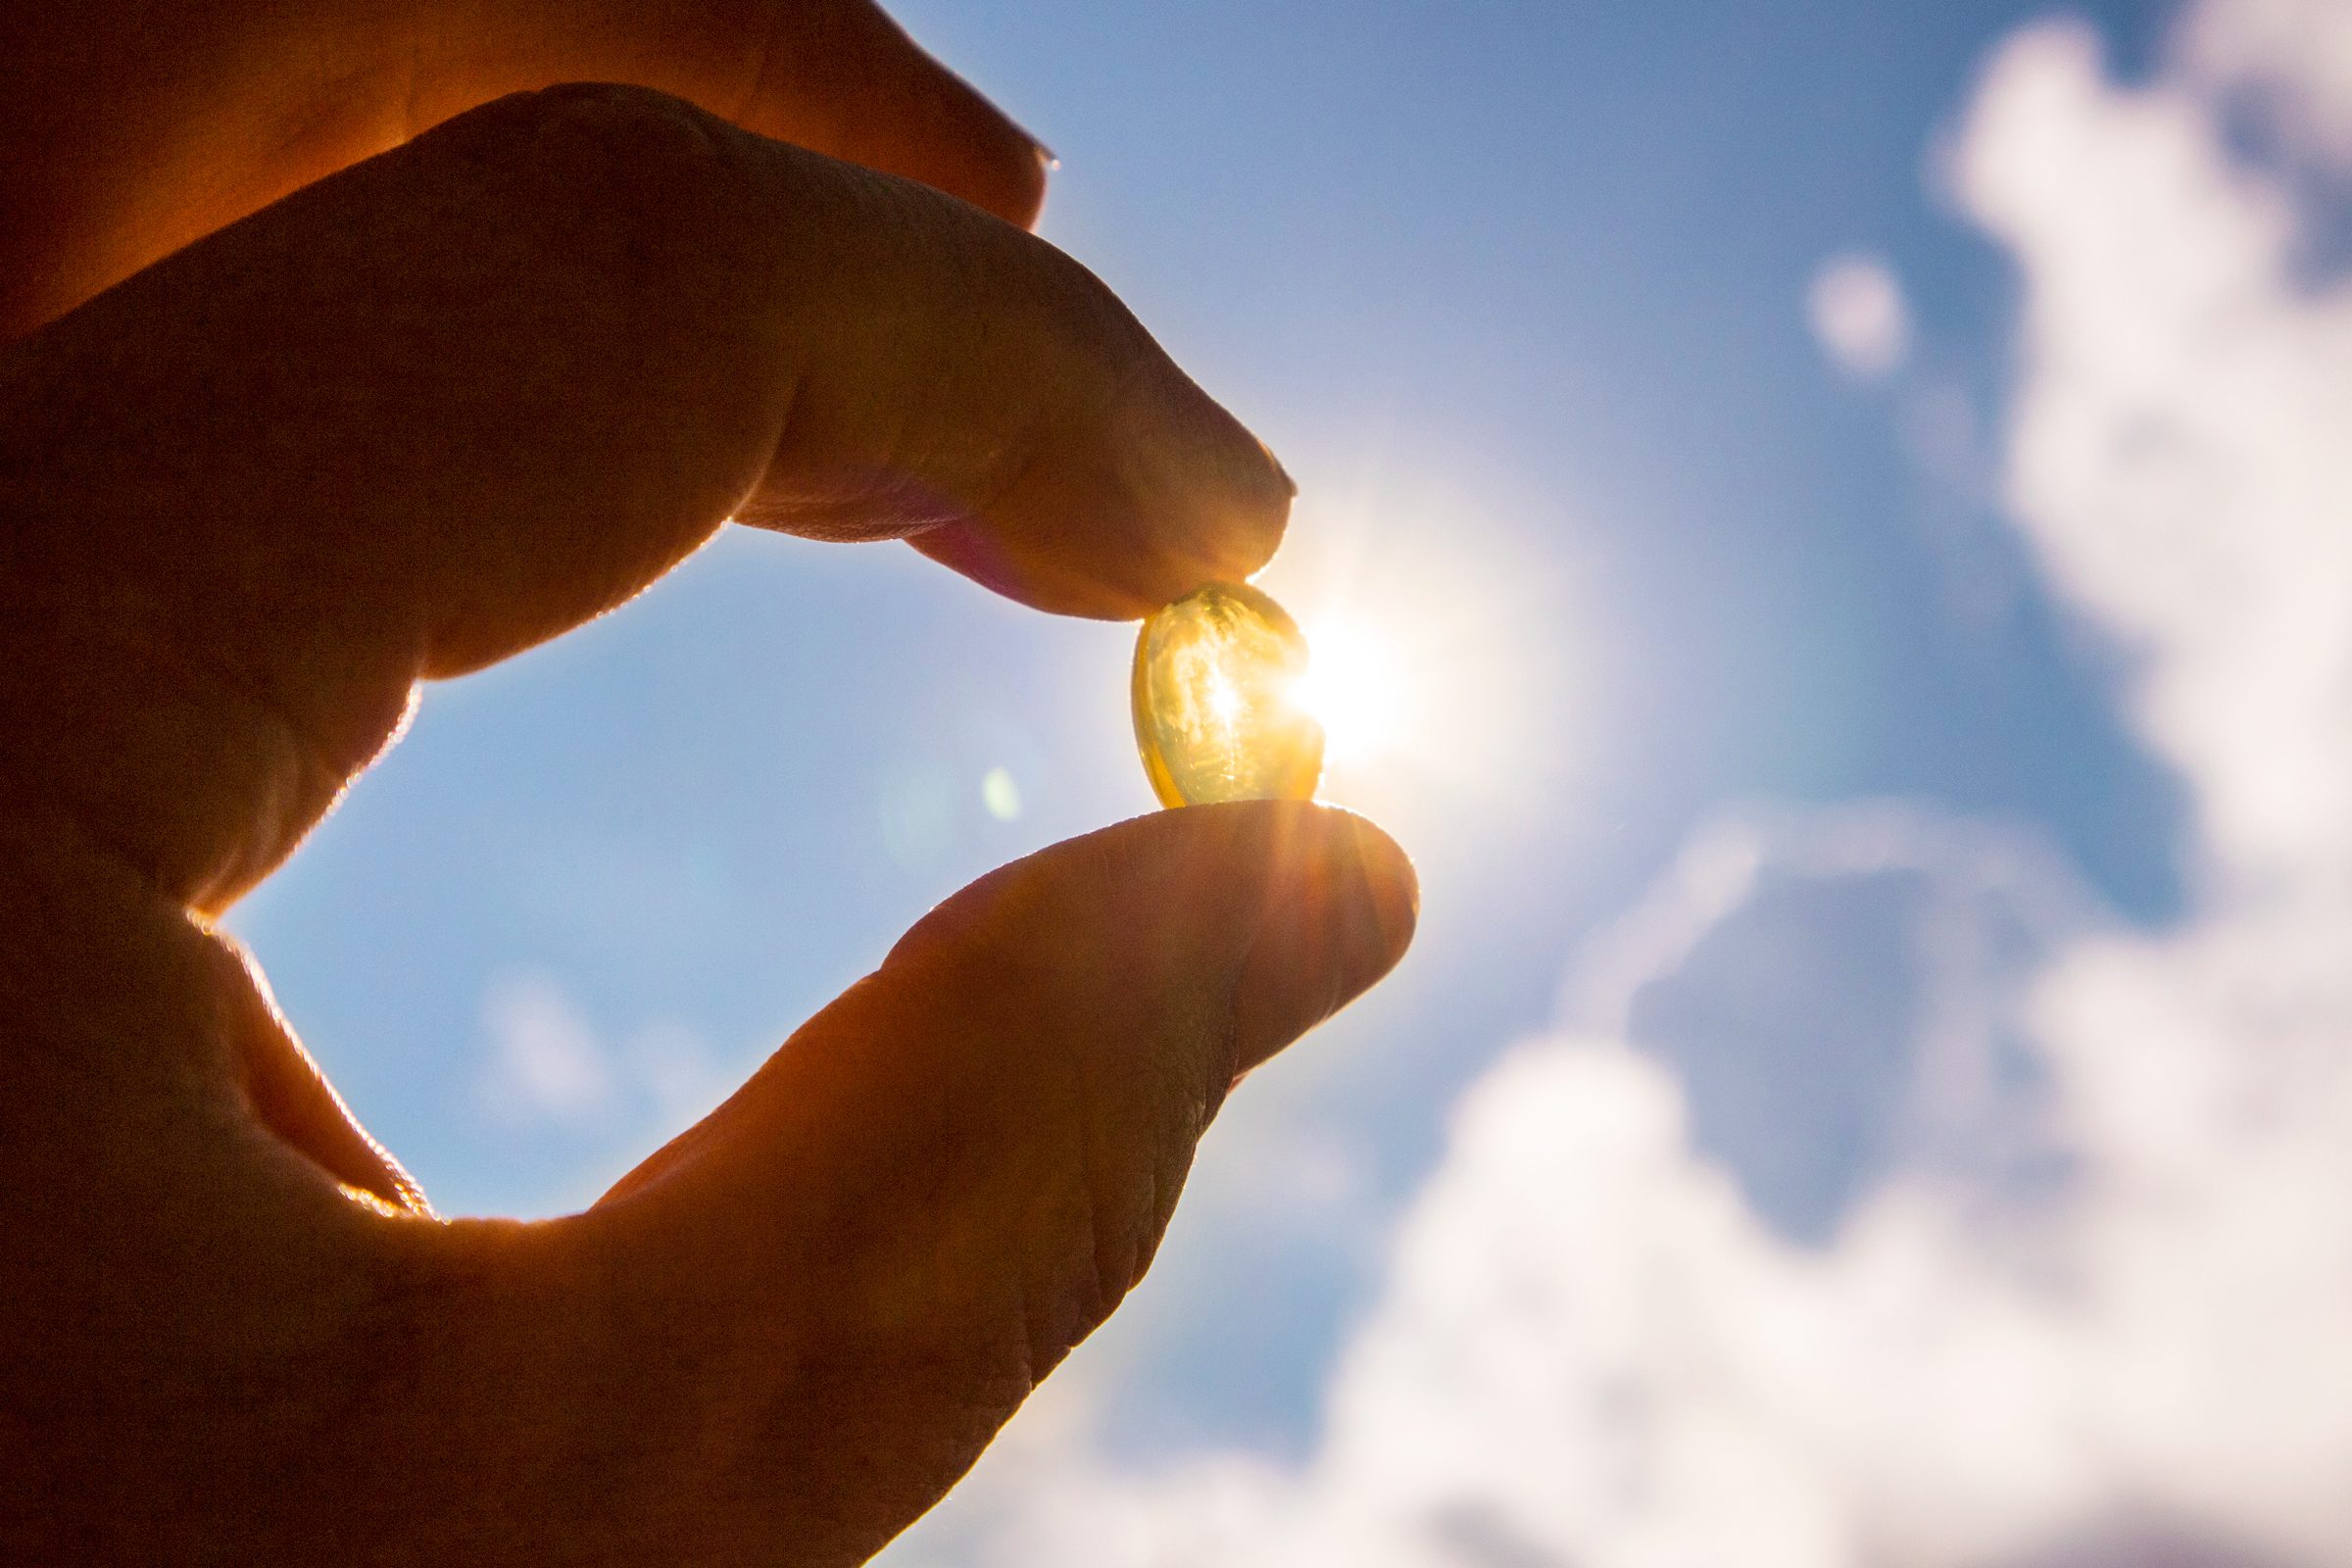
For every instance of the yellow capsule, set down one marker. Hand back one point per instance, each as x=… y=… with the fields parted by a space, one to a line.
x=1215 y=715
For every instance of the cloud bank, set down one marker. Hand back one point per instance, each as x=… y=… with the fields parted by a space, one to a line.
x=2057 y=1270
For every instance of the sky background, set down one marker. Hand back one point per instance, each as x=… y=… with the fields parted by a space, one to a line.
x=1852 y=501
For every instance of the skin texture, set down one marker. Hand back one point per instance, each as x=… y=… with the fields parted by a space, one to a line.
x=301 y=412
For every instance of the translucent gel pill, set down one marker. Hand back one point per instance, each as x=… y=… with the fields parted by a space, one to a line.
x=1215 y=716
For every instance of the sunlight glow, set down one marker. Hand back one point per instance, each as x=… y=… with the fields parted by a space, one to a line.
x=1447 y=668
x=1354 y=689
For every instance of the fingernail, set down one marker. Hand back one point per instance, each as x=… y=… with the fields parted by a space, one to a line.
x=1343 y=906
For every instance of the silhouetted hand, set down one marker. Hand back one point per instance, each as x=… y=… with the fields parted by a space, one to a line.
x=427 y=411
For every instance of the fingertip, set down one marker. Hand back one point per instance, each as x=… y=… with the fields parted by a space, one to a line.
x=1282 y=475
x=1342 y=913
x=987 y=159
x=1212 y=503
x=1132 y=505
x=1027 y=178
x=916 y=117
x=1392 y=882
x=1283 y=911
x=1290 y=899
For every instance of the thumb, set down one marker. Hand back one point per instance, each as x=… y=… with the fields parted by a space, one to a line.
x=873 y=1252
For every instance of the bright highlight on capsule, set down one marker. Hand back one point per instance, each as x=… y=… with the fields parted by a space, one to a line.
x=1218 y=716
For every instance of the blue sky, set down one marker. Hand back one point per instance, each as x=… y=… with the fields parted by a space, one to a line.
x=1520 y=294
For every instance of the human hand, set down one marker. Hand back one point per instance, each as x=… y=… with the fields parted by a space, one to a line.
x=422 y=414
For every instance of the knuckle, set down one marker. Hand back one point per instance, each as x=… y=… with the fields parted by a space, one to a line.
x=609 y=164
x=603 y=122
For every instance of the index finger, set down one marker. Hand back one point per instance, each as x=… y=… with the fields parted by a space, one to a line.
x=457 y=400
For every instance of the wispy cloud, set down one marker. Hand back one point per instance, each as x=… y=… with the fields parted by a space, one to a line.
x=545 y=1063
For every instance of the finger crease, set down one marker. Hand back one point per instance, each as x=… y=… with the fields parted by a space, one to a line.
x=199 y=674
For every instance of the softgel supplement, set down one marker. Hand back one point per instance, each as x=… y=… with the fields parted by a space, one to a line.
x=1216 y=710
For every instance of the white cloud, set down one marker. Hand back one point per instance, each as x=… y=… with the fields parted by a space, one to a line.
x=2180 y=459
x=1594 y=1348
x=2057 y=1267
x=546 y=1064
x=1859 y=316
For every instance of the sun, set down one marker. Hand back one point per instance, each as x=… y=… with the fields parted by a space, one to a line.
x=1443 y=662
x=1353 y=688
